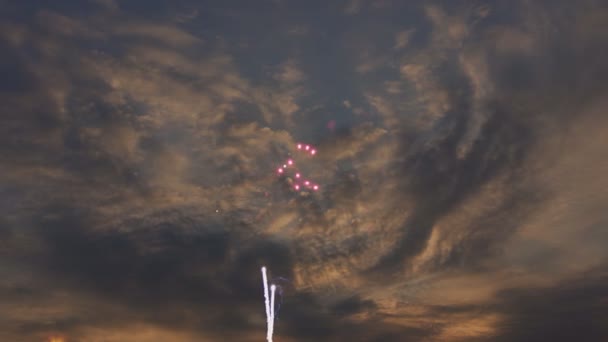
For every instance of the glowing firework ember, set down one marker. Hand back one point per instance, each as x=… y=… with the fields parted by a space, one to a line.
x=289 y=168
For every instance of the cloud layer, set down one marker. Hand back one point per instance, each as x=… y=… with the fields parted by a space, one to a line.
x=461 y=155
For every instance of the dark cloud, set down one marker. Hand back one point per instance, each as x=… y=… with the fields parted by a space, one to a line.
x=461 y=164
x=440 y=178
x=155 y=271
x=436 y=173
x=353 y=305
x=571 y=310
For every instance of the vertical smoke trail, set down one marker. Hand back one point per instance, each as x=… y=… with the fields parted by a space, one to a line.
x=269 y=305
x=273 y=289
x=265 y=280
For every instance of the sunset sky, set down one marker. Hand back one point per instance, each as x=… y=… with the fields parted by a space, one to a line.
x=461 y=158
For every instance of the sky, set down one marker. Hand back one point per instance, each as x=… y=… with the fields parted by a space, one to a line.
x=461 y=163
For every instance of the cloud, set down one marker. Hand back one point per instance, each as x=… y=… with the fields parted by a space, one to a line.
x=164 y=34
x=402 y=39
x=66 y=26
x=353 y=7
x=289 y=73
x=110 y=5
x=461 y=185
x=532 y=313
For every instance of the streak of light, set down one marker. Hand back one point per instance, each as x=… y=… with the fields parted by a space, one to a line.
x=269 y=305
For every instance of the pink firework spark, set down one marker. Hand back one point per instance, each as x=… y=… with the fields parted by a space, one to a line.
x=289 y=164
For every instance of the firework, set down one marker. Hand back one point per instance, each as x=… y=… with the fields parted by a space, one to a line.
x=289 y=169
x=269 y=304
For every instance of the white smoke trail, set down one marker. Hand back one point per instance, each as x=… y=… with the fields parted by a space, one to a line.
x=269 y=305
x=273 y=289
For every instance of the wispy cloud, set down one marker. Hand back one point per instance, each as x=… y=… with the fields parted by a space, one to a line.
x=462 y=173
